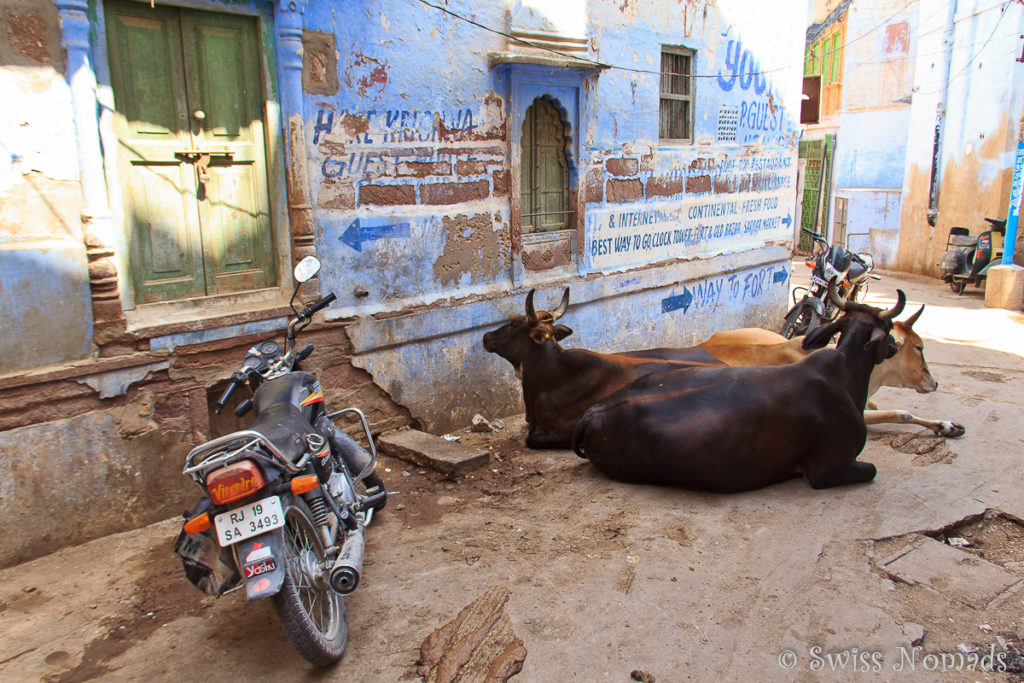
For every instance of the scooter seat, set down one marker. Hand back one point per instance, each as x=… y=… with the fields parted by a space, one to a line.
x=963 y=241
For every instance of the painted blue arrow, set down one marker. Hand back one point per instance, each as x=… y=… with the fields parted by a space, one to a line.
x=787 y=221
x=356 y=234
x=674 y=303
x=780 y=276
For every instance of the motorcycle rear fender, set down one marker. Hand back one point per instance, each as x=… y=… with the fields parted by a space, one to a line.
x=258 y=554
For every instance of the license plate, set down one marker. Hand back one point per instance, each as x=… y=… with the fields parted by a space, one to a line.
x=818 y=281
x=249 y=520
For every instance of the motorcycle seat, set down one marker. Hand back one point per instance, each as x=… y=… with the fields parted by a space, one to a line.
x=285 y=427
x=858 y=271
x=962 y=241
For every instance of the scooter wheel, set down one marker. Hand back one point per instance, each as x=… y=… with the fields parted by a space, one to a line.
x=958 y=286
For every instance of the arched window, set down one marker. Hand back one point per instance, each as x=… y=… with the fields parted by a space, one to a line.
x=544 y=186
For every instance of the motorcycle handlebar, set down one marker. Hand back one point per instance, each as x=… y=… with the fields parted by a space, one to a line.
x=236 y=379
x=323 y=303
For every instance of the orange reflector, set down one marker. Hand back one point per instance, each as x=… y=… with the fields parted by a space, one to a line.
x=198 y=524
x=809 y=264
x=234 y=482
x=306 y=482
x=846 y=285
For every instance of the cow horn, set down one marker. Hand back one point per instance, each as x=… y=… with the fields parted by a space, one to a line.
x=531 y=315
x=562 y=306
x=834 y=298
x=901 y=301
x=909 y=322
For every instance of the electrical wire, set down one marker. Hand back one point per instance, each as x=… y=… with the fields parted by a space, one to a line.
x=604 y=65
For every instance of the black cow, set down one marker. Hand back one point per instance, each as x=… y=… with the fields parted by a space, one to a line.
x=560 y=384
x=742 y=428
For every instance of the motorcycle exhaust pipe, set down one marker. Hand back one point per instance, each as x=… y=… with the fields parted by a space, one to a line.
x=344 y=575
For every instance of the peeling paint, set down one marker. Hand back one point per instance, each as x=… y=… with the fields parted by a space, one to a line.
x=116 y=382
x=472 y=247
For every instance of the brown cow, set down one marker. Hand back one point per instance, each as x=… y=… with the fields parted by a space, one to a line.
x=753 y=346
x=742 y=428
x=560 y=384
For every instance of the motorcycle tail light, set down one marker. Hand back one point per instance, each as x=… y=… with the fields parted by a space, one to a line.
x=198 y=524
x=234 y=482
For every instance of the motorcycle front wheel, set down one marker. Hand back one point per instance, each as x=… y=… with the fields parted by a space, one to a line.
x=313 y=615
x=958 y=286
x=799 y=321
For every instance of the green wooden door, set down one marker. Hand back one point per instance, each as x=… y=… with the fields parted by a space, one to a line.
x=189 y=122
x=544 y=185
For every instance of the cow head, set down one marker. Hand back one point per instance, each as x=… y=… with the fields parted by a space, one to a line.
x=907 y=368
x=514 y=340
x=861 y=325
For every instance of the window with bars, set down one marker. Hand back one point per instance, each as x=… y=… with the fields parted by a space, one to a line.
x=676 y=100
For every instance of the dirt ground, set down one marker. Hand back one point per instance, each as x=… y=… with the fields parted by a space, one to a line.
x=915 y=575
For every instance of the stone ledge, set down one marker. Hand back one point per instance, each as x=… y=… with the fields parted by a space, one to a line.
x=427 y=450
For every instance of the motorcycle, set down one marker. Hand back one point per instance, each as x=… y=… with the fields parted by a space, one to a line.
x=286 y=501
x=967 y=259
x=812 y=305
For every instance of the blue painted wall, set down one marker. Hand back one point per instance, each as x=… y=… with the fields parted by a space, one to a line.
x=413 y=167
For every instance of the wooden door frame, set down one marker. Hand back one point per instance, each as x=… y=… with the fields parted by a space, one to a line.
x=274 y=149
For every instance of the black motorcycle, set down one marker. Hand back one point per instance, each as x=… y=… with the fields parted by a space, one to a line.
x=812 y=305
x=968 y=258
x=286 y=501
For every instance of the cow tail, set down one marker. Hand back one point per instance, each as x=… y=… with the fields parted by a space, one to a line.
x=579 y=432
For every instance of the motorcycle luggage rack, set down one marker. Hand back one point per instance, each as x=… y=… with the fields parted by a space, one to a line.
x=219 y=452
x=369 y=439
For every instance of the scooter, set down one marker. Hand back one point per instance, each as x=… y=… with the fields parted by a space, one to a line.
x=812 y=305
x=968 y=258
x=286 y=501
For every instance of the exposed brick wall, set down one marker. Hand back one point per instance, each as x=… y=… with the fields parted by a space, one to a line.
x=623 y=190
x=501 y=182
x=664 y=187
x=387 y=195
x=454 y=193
x=700 y=183
x=622 y=167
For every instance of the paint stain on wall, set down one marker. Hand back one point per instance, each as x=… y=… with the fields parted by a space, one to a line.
x=366 y=73
x=471 y=246
x=319 y=63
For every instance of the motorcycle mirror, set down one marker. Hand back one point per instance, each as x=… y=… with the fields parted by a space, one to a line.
x=307 y=268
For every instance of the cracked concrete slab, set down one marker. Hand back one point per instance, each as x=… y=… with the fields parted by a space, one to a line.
x=952 y=572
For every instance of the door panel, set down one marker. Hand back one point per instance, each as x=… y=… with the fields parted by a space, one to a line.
x=159 y=187
x=222 y=65
x=189 y=120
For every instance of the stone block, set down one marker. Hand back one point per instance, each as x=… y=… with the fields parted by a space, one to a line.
x=622 y=167
x=387 y=195
x=454 y=193
x=427 y=450
x=956 y=574
x=1004 y=287
x=624 y=190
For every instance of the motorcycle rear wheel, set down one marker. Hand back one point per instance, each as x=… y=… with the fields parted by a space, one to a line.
x=313 y=615
x=799 y=321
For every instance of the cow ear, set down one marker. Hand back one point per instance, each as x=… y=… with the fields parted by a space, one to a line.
x=820 y=336
x=561 y=332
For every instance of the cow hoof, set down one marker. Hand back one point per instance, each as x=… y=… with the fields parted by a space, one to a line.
x=951 y=429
